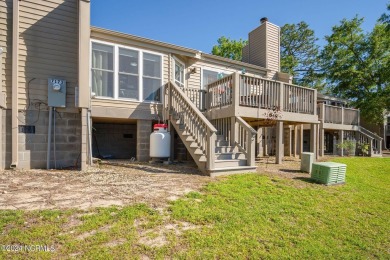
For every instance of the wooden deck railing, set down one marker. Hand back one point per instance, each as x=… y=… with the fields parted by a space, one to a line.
x=338 y=115
x=299 y=99
x=195 y=123
x=243 y=90
x=256 y=92
x=219 y=93
x=197 y=96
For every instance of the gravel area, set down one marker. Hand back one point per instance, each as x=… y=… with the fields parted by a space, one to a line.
x=116 y=182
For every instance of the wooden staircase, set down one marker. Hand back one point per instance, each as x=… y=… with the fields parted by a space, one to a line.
x=214 y=152
x=373 y=140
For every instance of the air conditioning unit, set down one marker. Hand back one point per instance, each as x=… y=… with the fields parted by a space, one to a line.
x=329 y=173
x=307 y=160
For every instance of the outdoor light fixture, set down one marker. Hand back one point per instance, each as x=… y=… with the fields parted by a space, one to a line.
x=243 y=71
x=192 y=71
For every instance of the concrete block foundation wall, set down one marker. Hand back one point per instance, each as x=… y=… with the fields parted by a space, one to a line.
x=32 y=147
x=6 y=139
x=144 y=129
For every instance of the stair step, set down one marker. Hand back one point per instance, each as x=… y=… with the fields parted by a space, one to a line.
x=222 y=143
x=190 y=139
x=220 y=138
x=229 y=156
x=194 y=145
x=225 y=149
x=198 y=151
x=233 y=170
x=230 y=163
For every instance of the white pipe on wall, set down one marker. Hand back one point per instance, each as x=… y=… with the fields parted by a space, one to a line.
x=49 y=138
x=54 y=138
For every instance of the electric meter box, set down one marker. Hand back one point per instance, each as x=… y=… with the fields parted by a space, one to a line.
x=56 y=93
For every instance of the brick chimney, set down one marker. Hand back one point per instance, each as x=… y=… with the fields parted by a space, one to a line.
x=263 y=48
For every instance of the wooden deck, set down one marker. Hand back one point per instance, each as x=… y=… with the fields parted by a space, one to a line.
x=251 y=97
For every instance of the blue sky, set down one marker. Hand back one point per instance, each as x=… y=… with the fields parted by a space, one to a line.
x=198 y=24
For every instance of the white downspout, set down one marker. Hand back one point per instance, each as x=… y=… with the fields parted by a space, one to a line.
x=49 y=138
x=15 y=81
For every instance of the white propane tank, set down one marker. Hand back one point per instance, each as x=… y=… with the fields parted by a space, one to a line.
x=160 y=142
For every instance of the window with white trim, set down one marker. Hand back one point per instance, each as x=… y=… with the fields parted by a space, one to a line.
x=209 y=76
x=128 y=74
x=179 y=73
x=102 y=70
x=152 y=77
x=137 y=74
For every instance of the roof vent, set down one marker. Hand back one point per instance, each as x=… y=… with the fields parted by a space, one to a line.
x=263 y=20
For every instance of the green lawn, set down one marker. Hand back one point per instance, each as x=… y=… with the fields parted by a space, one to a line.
x=243 y=216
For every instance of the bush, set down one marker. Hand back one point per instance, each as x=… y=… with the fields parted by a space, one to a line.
x=349 y=147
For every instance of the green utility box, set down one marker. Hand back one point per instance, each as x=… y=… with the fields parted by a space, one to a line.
x=329 y=173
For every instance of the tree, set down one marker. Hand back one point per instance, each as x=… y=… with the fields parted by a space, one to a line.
x=227 y=48
x=300 y=54
x=357 y=66
x=385 y=18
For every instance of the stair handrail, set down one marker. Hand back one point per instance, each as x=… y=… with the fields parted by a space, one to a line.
x=370 y=134
x=249 y=147
x=192 y=105
x=198 y=126
x=245 y=124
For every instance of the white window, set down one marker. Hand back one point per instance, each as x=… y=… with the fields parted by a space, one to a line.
x=209 y=76
x=128 y=74
x=102 y=70
x=125 y=73
x=152 y=77
x=179 y=73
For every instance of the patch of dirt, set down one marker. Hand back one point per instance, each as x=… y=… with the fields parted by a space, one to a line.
x=157 y=236
x=117 y=182
x=114 y=243
x=114 y=182
x=93 y=232
x=290 y=169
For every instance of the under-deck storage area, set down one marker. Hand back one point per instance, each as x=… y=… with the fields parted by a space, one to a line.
x=114 y=140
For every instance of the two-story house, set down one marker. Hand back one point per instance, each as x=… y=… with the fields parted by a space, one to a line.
x=71 y=91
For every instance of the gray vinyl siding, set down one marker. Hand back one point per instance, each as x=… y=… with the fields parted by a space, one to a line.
x=48 y=47
x=258 y=46
x=273 y=47
x=6 y=45
x=194 y=79
x=245 y=54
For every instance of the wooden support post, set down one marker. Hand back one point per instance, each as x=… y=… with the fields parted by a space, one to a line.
x=260 y=142
x=322 y=141
x=266 y=133
x=251 y=148
x=313 y=139
x=300 y=141
x=341 y=141
x=211 y=150
x=233 y=131
x=172 y=131
x=279 y=142
x=236 y=91
x=371 y=146
x=295 y=147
